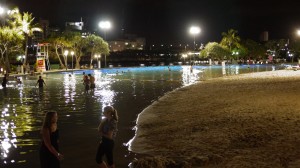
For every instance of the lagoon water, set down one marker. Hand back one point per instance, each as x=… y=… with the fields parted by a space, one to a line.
x=129 y=90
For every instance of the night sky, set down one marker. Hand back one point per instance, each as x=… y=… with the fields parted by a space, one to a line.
x=167 y=21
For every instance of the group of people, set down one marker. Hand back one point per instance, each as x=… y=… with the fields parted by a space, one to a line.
x=88 y=82
x=5 y=80
x=50 y=155
x=39 y=82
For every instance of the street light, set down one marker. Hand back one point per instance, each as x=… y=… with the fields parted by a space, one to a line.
x=195 y=30
x=105 y=25
x=99 y=62
x=72 y=54
x=291 y=56
x=298 y=32
x=184 y=56
x=2 y=10
x=2 y=13
x=66 y=55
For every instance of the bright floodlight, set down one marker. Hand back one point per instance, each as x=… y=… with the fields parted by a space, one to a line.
x=72 y=53
x=298 y=32
x=105 y=25
x=1 y=10
x=66 y=52
x=195 y=30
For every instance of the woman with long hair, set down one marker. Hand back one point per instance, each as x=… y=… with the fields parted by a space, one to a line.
x=107 y=129
x=49 y=151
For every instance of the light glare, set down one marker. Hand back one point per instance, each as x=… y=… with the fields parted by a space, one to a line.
x=195 y=30
x=105 y=25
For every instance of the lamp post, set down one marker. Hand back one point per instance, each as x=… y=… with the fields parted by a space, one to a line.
x=98 y=61
x=22 y=58
x=298 y=34
x=195 y=30
x=66 y=55
x=105 y=25
x=72 y=54
x=237 y=55
x=291 y=56
x=2 y=12
x=184 y=56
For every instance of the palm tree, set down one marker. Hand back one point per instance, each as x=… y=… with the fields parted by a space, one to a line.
x=231 y=39
x=25 y=24
x=10 y=44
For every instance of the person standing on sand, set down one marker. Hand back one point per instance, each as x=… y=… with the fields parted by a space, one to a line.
x=49 y=151
x=41 y=82
x=108 y=130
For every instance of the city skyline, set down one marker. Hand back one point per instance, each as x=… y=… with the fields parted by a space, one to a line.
x=168 y=21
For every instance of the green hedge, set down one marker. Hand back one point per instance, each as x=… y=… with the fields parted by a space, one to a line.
x=54 y=66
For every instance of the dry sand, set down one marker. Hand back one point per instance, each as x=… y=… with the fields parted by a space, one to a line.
x=249 y=120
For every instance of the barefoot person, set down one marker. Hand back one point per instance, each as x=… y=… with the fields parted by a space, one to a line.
x=107 y=129
x=49 y=152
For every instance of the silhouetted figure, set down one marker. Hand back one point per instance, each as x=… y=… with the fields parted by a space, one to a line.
x=92 y=81
x=86 y=83
x=4 y=81
x=41 y=82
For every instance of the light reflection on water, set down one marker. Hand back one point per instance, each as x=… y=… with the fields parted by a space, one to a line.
x=129 y=90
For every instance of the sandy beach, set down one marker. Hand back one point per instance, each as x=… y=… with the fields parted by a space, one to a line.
x=248 y=120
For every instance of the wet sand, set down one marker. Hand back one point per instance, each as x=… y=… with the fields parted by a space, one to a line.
x=249 y=120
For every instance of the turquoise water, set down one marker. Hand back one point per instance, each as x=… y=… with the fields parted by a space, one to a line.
x=129 y=90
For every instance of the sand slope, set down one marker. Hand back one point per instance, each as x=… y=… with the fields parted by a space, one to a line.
x=249 y=120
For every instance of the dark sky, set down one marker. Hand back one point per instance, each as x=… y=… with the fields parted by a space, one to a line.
x=162 y=21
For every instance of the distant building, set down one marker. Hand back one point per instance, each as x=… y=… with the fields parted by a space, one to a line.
x=75 y=26
x=129 y=42
x=40 y=36
x=264 y=36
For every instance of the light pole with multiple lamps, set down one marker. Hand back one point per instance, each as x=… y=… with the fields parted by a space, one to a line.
x=184 y=56
x=195 y=30
x=105 y=25
x=236 y=53
x=298 y=34
x=72 y=54
x=66 y=55
x=98 y=56
x=2 y=13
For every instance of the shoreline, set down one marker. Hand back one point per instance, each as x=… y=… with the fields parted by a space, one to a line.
x=247 y=120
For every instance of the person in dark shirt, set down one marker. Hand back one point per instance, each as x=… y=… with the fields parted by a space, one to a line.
x=4 y=81
x=107 y=129
x=49 y=151
x=41 y=82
